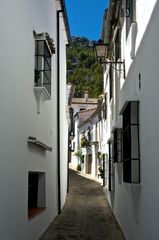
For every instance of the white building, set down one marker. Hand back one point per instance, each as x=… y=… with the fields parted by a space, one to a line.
x=33 y=126
x=131 y=33
x=79 y=107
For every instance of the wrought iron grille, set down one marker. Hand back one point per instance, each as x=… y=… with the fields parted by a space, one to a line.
x=42 y=65
x=131 y=150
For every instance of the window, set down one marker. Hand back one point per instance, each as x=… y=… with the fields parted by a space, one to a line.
x=131 y=154
x=105 y=107
x=130 y=14
x=89 y=137
x=36 y=193
x=117 y=145
x=111 y=82
x=71 y=113
x=118 y=46
x=106 y=170
x=111 y=168
x=44 y=48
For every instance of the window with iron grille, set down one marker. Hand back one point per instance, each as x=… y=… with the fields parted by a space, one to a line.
x=111 y=168
x=44 y=48
x=131 y=151
x=117 y=145
x=130 y=14
x=42 y=66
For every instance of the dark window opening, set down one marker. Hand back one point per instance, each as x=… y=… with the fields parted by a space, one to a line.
x=105 y=107
x=118 y=46
x=117 y=145
x=36 y=193
x=111 y=168
x=131 y=151
x=111 y=83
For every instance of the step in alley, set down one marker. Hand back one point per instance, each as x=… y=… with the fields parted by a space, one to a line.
x=86 y=214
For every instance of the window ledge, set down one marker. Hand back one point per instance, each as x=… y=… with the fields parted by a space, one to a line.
x=41 y=93
x=35 y=141
x=35 y=211
x=42 y=90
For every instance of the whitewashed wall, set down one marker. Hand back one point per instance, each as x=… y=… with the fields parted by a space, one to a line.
x=19 y=118
x=135 y=205
x=64 y=119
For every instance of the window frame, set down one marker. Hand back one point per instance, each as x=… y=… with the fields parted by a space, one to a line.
x=36 y=193
x=117 y=149
x=118 y=45
x=43 y=65
x=130 y=9
x=111 y=172
x=105 y=107
x=131 y=143
x=44 y=49
x=111 y=82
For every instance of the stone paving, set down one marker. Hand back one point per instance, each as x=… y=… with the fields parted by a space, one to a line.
x=86 y=214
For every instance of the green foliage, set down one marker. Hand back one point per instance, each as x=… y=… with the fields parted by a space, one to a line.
x=100 y=156
x=78 y=153
x=86 y=73
x=84 y=142
x=101 y=172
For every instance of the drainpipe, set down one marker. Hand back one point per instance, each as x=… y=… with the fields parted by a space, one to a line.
x=58 y=111
x=62 y=10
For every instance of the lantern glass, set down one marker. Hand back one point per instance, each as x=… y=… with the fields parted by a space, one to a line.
x=100 y=51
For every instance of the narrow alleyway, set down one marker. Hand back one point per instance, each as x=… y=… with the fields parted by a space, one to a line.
x=86 y=215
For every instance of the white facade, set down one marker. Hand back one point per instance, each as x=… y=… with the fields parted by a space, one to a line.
x=134 y=204
x=20 y=119
x=78 y=105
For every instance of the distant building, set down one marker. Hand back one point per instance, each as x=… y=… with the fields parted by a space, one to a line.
x=82 y=109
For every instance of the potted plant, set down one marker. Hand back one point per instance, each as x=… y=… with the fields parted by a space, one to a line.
x=79 y=155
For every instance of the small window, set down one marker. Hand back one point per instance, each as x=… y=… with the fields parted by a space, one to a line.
x=118 y=46
x=130 y=14
x=111 y=168
x=131 y=151
x=111 y=82
x=36 y=193
x=117 y=145
x=105 y=107
x=44 y=48
x=71 y=113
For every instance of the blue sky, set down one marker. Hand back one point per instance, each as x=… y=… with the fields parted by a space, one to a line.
x=85 y=17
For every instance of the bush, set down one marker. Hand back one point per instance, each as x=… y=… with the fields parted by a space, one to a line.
x=78 y=167
x=101 y=172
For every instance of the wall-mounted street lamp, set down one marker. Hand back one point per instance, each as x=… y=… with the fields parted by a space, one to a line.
x=100 y=50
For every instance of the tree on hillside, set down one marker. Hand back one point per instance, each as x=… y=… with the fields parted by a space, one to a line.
x=86 y=73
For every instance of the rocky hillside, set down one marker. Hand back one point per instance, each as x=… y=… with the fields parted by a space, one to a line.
x=82 y=69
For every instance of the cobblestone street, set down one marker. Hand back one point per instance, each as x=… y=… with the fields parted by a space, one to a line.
x=86 y=215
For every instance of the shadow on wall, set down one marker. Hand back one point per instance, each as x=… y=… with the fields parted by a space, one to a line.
x=110 y=195
x=135 y=192
x=119 y=172
x=36 y=149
